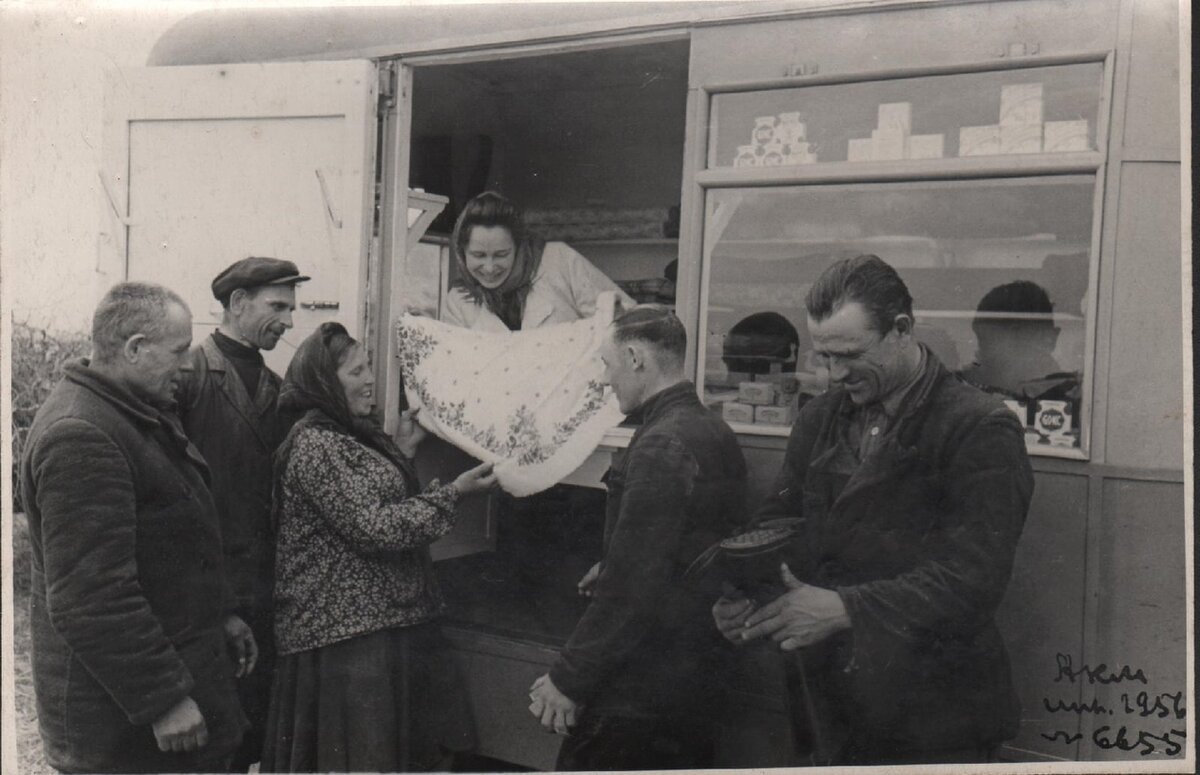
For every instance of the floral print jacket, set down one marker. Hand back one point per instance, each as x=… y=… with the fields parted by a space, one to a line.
x=353 y=544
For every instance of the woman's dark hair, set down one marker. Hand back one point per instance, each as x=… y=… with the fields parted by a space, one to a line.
x=312 y=392
x=866 y=279
x=508 y=301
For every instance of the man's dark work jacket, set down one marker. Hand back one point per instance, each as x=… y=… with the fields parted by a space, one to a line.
x=919 y=541
x=128 y=590
x=646 y=645
x=237 y=433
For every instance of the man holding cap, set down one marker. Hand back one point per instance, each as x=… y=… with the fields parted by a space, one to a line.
x=227 y=401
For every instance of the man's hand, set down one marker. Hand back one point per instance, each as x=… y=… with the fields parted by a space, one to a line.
x=242 y=645
x=555 y=710
x=802 y=616
x=409 y=433
x=181 y=728
x=730 y=613
x=586 y=584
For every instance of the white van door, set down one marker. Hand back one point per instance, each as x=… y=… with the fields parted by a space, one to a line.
x=209 y=164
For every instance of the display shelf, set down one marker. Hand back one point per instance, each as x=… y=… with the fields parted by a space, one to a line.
x=959 y=167
x=631 y=241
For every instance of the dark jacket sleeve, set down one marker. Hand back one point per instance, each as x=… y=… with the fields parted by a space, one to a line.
x=637 y=569
x=324 y=468
x=85 y=497
x=966 y=561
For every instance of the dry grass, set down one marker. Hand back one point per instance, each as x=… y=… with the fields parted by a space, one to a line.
x=29 y=745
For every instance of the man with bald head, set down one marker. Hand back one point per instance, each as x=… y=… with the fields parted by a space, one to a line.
x=135 y=646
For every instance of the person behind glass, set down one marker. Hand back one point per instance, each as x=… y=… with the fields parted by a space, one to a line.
x=1014 y=325
x=364 y=681
x=512 y=280
x=640 y=678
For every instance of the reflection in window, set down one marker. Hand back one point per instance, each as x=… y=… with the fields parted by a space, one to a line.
x=998 y=270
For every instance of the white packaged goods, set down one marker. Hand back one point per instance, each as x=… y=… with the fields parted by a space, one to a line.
x=774 y=415
x=1065 y=136
x=772 y=154
x=1020 y=138
x=790 y=129
x=1021 y=103
x=979 y=140
x=731 y=411
x=926 y=146
x=798 y=153
x=764 y=130
x=896 y=116
x=860 y=149
x=889 y=144
x=746 y=157
x=1053 y=418
x=756 y=393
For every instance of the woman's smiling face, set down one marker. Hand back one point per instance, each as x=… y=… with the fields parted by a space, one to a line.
x=358 y=383
x=490 y=255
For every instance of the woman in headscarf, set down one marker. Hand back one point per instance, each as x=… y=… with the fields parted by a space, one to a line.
x=509 y=279
x=364 y=680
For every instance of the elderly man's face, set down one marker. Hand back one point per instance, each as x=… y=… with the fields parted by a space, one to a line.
x=154 y=374
x=263 y=318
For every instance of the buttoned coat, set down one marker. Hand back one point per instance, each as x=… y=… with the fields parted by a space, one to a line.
x=237 y=434
x=128 y=591
x=918 y=540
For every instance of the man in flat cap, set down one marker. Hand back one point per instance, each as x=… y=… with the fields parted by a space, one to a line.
x=227 y=401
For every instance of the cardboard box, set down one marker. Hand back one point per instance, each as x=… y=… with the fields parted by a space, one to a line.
x=1021 y=103
x=889 y=144
x=774 y=415
x=1053 y=418
x=896 y=116
x=732 y=411
x=1020 y=138
x=756 y=393
x=979 y=140
x=860 y=149
x=926 y=146
x=1065 y=136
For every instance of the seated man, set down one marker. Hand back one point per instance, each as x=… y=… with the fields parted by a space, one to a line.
x=913 y=489
x=643 y=658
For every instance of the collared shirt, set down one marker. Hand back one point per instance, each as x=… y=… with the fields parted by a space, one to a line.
x=872 y=421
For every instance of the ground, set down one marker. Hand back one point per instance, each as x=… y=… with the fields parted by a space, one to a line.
x=29 y=745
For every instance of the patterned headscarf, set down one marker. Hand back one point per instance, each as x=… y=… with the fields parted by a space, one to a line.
x=312 y=392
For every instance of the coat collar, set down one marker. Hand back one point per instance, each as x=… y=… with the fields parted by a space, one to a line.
x=83 y=374
x=252 y=408
x=682 y=392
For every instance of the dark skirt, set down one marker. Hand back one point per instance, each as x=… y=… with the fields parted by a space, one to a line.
x=389 y=701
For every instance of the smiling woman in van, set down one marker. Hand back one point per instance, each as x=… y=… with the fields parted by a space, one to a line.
x=510 y=279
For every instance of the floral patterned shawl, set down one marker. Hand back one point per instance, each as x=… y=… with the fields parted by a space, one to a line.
x=532 y=402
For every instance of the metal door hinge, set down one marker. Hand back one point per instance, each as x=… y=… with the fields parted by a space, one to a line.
x=1019 y=49
x=387 y=85
x=802 y=68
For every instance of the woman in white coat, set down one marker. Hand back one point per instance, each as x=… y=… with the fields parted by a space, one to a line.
x=512 y=280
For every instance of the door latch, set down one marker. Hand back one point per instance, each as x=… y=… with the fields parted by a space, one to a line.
x=320 y=304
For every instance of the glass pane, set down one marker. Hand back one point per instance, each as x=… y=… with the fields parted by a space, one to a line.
x=1033 y=110
x=959 y=246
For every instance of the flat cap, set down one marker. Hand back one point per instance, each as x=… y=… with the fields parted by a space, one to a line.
x=255 y=271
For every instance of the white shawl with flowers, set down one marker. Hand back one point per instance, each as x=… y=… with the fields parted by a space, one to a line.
x=532 y=402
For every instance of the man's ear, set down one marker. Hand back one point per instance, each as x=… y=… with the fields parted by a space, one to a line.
x=903 y=324
x=636 y=355
x=133 y=347
x=236 y=298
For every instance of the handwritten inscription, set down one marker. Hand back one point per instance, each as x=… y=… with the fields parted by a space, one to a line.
x=1131 y=709
x=1100 y=674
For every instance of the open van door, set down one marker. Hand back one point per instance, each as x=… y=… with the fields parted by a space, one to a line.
x=206 y=165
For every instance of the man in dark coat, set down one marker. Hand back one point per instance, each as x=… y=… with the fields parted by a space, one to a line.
x=913 y=489
x=643 y=659
x=135 y=648
x=227 y=400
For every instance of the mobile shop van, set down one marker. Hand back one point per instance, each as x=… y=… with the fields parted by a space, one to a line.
x=970 y=144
